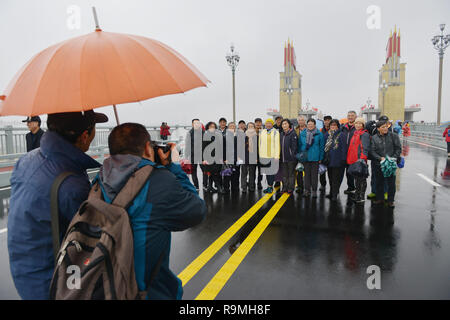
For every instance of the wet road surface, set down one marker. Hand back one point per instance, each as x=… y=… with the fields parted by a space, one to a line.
x=279 y=247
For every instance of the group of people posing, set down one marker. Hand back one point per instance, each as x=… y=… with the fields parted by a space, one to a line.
x=303 y=154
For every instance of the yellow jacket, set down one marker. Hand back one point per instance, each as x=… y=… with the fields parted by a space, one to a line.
x=269 y=144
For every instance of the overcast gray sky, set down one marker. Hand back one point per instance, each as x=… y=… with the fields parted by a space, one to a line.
x=337 y=54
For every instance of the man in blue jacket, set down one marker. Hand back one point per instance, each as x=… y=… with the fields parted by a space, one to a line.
x=62 y=149
x=167 y=202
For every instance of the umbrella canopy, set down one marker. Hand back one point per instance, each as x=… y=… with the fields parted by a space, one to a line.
x=96 y=70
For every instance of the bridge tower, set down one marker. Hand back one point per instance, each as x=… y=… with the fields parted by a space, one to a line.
x=290 y=85
x=391 y=86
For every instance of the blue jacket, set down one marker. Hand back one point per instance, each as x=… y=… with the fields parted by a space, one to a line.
x=337 y=153
x=315 y=152
x=29 y=228
x=168 y=202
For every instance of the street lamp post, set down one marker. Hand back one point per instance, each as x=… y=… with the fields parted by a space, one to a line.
x=440 y=43
x=233 y=61
x=383 y=87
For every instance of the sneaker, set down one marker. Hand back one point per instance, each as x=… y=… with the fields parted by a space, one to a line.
x=378 y=202
x=322 y=189
x=349 y=191
x=306 y=194
x=244 y=190
x=268 y=190
x=314 y=194
x=299 y=190
x=260 y=187
x=371 y=195
x=391 y=204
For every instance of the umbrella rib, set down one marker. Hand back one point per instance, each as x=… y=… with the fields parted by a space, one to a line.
x=126 y=71
x=162 y=66
x=46 y=69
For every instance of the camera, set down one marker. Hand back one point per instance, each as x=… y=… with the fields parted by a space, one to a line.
x=165 y=147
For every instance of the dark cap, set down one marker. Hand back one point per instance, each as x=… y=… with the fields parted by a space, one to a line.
x=222 y=119
x=258 y=119
x=327 y=118
x=32 y=119
x=383 y=118
x=74 y=123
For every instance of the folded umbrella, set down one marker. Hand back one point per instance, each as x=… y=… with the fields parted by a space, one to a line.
x=388 y=167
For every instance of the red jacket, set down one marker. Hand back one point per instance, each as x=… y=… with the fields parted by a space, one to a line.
x=164 y=131
x=446 y=134
x=358 y=147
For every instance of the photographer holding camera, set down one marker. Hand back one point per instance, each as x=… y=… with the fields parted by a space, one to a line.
x=167 y=202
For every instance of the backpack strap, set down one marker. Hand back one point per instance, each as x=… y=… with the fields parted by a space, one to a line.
x=133 y=186
x=54 y=210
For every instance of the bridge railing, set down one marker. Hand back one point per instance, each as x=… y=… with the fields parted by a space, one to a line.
x=429 y=133
x=13 y=142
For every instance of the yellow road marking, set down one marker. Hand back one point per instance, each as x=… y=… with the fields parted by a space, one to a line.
x=216 y=284
x=195 y=266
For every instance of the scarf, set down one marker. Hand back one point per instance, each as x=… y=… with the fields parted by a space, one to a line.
x=310 y=137
x=250 y=133
x=329 y=140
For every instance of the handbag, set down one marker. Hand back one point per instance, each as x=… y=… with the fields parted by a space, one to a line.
x=302 y=156
x=359 y=169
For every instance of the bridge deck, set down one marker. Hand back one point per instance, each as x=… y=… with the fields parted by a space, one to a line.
x=312 y=249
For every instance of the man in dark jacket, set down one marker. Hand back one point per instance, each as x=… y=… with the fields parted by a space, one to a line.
x=167 y=202
x=384 y=144
x=62 y=149
x=33 y=138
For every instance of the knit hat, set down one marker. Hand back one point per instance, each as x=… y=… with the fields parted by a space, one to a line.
x=361 y=120
x=270 y=120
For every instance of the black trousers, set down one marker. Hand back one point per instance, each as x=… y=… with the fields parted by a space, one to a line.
x=250 y=171
x=350 y=179
x=288 y=175
x=381 y=180
x=232 y=180
x=361 y=186
x=323 y=180
x=300 y=184
x=195 y=177
x=311 y=176
x=335 y=178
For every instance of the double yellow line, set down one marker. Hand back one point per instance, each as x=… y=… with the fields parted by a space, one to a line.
x=222 y=276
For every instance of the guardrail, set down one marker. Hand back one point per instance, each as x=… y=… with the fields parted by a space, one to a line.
x=429 y=133
x=12 y=140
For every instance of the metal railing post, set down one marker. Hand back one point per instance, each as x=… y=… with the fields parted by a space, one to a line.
x=9 y=139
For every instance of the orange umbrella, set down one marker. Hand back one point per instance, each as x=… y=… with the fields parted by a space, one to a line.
x=96 y=70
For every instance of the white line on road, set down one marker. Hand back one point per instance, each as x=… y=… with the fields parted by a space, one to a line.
x=3 y=230
x=434 y=184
